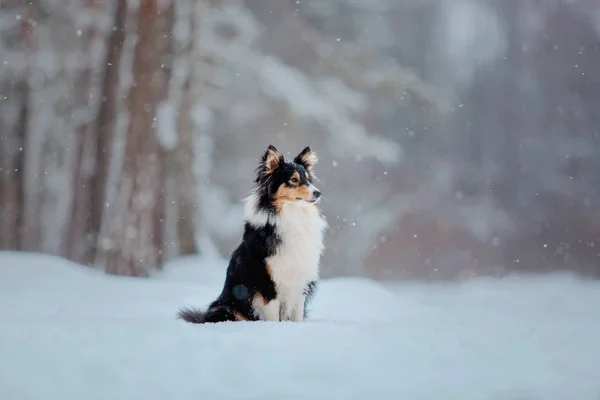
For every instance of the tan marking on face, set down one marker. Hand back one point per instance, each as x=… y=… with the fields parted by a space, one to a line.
x=285 y=194
x=239 y=317
x=297 y=176
x=307 y=176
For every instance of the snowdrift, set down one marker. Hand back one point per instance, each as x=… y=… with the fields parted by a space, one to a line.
x=68 y=332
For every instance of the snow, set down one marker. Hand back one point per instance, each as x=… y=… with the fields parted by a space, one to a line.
x=166 y=126
x=69 y=332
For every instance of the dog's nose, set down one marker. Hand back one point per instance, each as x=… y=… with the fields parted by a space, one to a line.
x=317 y=194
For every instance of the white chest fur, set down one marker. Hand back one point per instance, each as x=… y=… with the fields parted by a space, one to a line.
x=300 y=227
x=296 y=261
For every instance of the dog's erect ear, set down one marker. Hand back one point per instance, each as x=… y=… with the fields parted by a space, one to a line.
x=307 y=158
x=271 y=160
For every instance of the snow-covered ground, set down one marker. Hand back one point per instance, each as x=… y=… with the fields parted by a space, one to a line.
x=67 y=332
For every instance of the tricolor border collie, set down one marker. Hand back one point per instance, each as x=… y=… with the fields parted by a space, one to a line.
x=273 y=273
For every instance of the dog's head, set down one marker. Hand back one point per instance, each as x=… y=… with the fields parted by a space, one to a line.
x=283 y=182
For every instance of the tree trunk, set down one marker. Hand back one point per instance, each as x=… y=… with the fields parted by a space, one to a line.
x=136 y=219
x=63 y=99
x=185 y=183
x=89 y=83
x=106 y=126
x=13 y=119
x=181 y=169
x=15 y=45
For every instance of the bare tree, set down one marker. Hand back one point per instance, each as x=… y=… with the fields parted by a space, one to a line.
x=137 y=217
x=14 y=40
x=89 y=91
x=178 y=134
x=12 y=136
x=105 y=126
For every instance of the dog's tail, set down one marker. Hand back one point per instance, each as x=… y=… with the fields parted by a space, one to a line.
x=192 y=315
x=212 y=315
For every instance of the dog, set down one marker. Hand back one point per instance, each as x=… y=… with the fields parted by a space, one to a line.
x=272 y=275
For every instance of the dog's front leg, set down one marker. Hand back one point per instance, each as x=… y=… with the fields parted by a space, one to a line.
x=271 y=310
x=298 y=313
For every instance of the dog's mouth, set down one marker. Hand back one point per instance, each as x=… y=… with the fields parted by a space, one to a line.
x=313 y=201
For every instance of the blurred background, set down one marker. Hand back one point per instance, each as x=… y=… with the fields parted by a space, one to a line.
x=456 y=138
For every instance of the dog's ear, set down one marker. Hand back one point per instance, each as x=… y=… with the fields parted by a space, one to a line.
x=307 y=158
x=271 y=160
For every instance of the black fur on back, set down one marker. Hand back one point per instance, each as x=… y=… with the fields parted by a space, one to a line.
x=247 y=276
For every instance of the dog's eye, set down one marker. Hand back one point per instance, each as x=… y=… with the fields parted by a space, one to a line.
x=294 y=180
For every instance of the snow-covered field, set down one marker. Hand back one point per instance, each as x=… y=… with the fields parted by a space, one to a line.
x=67 y=332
